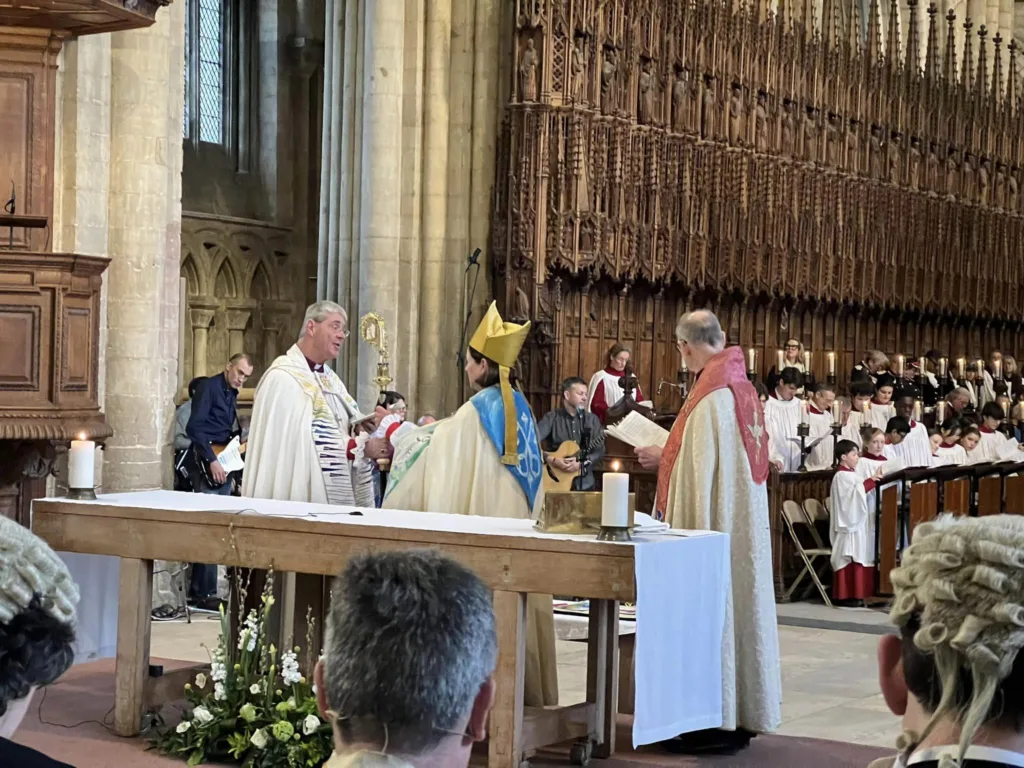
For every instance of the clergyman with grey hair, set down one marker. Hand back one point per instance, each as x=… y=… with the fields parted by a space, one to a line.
x=406 y=675
x=299 y=445
x=712 y=475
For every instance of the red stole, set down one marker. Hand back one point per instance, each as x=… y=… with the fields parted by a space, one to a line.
x=726 y=369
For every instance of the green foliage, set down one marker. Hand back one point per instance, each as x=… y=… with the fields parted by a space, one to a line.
x=254 y=708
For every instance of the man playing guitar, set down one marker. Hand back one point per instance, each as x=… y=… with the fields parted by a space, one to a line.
x=572 y=424
x=212 y=424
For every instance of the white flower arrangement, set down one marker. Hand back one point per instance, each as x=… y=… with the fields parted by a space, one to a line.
x=260 y=712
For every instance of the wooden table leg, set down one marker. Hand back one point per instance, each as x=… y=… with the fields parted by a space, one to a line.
x=506 y=732
x=135 y=603
x=603 y=671
x=627 y=645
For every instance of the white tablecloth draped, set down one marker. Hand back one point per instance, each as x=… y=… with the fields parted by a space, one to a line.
x=682 y=581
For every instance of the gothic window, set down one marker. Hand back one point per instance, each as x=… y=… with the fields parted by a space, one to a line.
x=217 y=67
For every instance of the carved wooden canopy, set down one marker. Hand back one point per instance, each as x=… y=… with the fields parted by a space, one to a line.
x=80 y=17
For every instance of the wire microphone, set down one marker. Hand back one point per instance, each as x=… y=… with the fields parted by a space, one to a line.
x=10 y=206
x=474 y=260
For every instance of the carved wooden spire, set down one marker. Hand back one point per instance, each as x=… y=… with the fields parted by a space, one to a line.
x=913 y=40
x=981 y=83
x=967 y=62
x=949 y=58
x=1010 y=102
x=832 y=24
x=874 y=33
x=892 y=48
x=997 y=71
x=931 y=55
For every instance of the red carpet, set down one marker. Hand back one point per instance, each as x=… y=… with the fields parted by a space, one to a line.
x=85 y=696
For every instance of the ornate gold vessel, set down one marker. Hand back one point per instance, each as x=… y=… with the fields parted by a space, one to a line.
x=575 y=512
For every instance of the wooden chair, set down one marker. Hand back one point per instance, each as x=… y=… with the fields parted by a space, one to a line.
x=795 y=518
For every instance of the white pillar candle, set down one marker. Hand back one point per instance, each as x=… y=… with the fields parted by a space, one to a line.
x=1006 y=409
x=961 y=368
x=82 y=464
x=831 y=363
x=942 y=367
x=940 y=413
x=921 y=364
x=615 y=499
x=899 y=365
x=917 y=411
x=997 y=366
x=804 y=412
x=780 y=361
x=807 y=362
x=837 y=413
x=751 y=359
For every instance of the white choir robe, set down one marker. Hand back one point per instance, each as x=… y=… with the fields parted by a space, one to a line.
x=916 y=448
x=879 y=415
x=458 y=470
x=820 y=424
x=946 y=455
x=712 y=466
x=975 y=456
x=855 y=422
x=989 y=445
x=852 y=532
x=987 y=390
x=782 y=417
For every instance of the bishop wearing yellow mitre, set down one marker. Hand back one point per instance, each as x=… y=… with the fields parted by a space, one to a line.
x=485 y=460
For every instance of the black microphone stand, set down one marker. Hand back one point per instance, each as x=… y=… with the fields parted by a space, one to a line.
x=584 y=443
x=460 y=357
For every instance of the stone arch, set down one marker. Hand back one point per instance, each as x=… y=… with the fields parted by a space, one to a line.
x=190 y=271
x=195 y=265
x=226 y=283
x=261 y=285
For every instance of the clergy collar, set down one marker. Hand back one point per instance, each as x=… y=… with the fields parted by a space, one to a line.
x=985 y=430
x=844 y=468
x=314 y=367
x=913 y=424
x=954 y=444
x=814 y=410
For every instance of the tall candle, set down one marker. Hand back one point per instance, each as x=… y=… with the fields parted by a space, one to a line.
x=900 y=360
x=615 y=498
x=807 y=362
x=837 y=413
x=865 y=406
x=940 y=413
x=979 y=367
x=82 y=464
x=751 y=359
x=804 y=413
x=684 y=369
x=922 y=365
x=780 y=361
x=997 y=367
x=831 y=363
x=942 y=367
x=961 y=367
x=917 y=410
x=1006 y=409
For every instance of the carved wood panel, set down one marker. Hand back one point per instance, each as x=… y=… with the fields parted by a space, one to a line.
x=659 y=155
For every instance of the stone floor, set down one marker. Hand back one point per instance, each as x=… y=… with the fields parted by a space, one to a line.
x=829 y=679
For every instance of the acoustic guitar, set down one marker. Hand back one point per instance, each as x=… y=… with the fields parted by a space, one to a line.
x=559 y=479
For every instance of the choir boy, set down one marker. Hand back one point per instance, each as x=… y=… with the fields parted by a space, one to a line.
x=950 y=451
x=852 y=527
x=861 y=394
x=969 y=439
x=991 y=438
x=819 y=417
x=915 y=450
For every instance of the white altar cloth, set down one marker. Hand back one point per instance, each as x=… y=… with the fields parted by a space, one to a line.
x=682 y=582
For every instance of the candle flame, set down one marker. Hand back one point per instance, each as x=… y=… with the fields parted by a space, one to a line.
x=81 y=435
x=616 y=466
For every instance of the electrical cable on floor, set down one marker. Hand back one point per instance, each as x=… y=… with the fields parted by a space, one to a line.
x=103 y=723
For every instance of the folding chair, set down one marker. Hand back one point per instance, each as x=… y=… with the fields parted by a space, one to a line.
x=816 y=512
x=794 y=516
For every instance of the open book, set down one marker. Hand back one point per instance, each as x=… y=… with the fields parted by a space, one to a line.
x=1009 y=451
x=808 y=442
x=638 y=431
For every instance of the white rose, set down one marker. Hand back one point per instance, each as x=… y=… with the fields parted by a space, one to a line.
x=259 y=739
x=200 y=680
x=310 y=724
x=183 y=726
x=254 y=688
x=202 y=715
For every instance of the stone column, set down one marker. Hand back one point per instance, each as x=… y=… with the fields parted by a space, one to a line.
x=271 y=329
x=237 y=321
x=144 y=210
x=201 y=319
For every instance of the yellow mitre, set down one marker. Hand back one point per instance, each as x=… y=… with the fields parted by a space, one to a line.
x=497 y=340
x=500 y=341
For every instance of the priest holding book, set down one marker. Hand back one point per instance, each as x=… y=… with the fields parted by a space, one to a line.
x=712 y=475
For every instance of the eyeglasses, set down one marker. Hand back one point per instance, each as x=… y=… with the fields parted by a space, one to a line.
x=792 y=346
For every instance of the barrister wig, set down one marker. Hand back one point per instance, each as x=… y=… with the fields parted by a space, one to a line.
x=959 y=599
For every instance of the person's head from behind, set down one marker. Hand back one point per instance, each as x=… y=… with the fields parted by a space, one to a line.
x=789 y=383
x=37 y=620
x=699 y=337
x=848 y=454
x=762 y=391
x=969 y=438
x=876 y=361
x=958 y=399
x=238 y=370
x=324 y=328
x=574 y=394
x=193 y=386
x=389 y=402
x=991 y=415
x=874 y=441
x=954 y=673
x=861 y=393
x=896 y=430
x=408 y=663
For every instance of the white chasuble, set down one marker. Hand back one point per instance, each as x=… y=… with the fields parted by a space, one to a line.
x=782 y=417
x=454 y=466
x=852 y=521
x=712 y=488
x=298 y=437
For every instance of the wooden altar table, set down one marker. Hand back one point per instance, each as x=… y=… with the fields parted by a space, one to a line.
x=316 y=539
